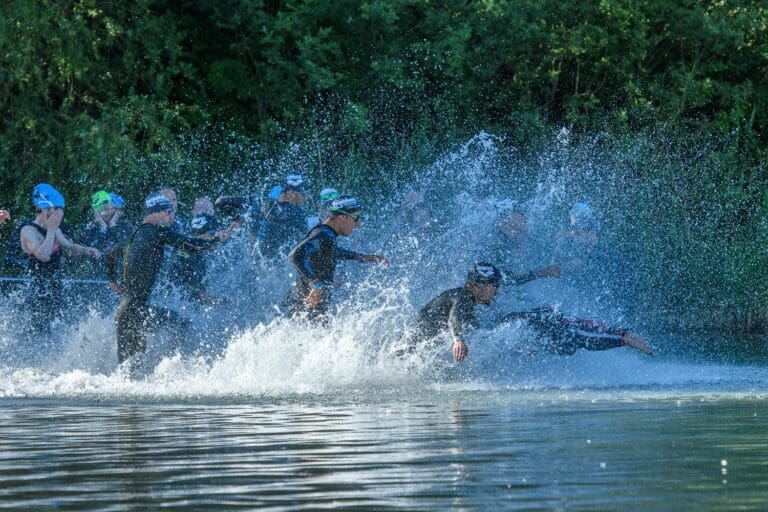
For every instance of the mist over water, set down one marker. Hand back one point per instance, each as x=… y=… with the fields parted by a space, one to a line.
x=431 y=226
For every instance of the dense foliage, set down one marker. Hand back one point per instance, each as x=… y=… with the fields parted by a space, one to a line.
x=103 y=93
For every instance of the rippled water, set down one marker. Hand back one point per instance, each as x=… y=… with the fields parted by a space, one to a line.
x=627 y=449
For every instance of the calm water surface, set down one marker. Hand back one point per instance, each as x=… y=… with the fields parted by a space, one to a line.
x=461 y=450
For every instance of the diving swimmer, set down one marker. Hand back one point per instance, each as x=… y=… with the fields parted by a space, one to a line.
x=454 y=309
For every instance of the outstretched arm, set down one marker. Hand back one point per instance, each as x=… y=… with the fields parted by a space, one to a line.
x=346 y=254
x=186 y=243
x=598 y=336
x=77 y=249
x=518 y=278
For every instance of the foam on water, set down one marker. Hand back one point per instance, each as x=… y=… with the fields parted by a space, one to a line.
x=347 y=357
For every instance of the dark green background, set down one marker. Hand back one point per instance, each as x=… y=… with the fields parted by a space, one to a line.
x=202 y=94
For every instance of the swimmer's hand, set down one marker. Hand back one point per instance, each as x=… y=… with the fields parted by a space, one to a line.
x=313 y=299
x=375 y=258
x=634 y=341
x=460 y=351
x=53 y=221
x=115 y=288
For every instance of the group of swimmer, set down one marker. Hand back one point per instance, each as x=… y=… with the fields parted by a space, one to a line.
x=133 y=258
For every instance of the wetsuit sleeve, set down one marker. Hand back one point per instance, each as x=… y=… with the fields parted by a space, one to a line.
x=516 y=278
x=177 y=240
x=110 y=262
x=345 y=254
x=308 y=260
x=460 y=315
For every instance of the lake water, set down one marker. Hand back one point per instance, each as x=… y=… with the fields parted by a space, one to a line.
x=287 y=416
x=459 y=446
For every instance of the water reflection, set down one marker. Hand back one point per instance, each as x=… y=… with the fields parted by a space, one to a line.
x=132 y=445
x=483 y=451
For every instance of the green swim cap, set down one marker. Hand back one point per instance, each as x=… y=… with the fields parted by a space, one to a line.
x=100 y=199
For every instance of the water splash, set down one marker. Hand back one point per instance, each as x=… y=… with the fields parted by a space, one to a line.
x=239 y=348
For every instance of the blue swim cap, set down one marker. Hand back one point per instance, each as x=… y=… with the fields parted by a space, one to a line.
x=117 y=200
x=45 y=196
x=275 y=192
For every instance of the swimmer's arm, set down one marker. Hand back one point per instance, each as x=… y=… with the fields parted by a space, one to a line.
x=32 y=242
x=519 y=278
x=455 y=324
x=185 y=243
x=510 y=278
x=459 y=348
x=76 y=249
x=346 y=254
x=591 y=326
x=110 y=263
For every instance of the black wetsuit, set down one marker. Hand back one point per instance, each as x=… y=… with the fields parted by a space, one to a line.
x=452 y=310
x=315 y=260
x=566 y=335
x=189 y=268
x=142 y=257
x=103 y=239
x=449 y=312
x=282 y=226
x=46 y=298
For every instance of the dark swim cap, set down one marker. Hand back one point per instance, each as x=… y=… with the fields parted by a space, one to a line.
x=344 y=205
x=156 y=203
x=484 y=273
x=204 y=223
x=294 y=182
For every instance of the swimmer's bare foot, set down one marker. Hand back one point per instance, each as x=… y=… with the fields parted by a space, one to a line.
x=634 y=341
